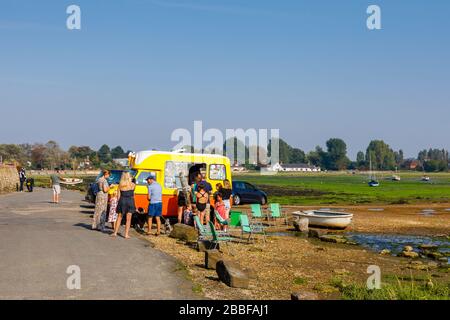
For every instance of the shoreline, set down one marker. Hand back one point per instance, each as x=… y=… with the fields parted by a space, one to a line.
x=286 y=264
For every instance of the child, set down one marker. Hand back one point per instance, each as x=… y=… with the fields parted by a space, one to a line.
x=227 y=192
x=219 y=206
x=112 y=217
x=188 y=218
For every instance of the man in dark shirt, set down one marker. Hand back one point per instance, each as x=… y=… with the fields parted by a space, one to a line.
x=22 y=178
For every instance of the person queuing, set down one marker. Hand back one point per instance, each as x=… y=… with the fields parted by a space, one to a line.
x=200 y=179
x=155 y=205
x=126 y=206
x=182 y=203
x=101 y=202
x=202 y=198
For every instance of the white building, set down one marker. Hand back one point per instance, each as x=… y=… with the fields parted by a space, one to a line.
x=294 y=167
x=123 y=162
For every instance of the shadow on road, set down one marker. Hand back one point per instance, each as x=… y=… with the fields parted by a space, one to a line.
x=87 y=206
x=83 y=225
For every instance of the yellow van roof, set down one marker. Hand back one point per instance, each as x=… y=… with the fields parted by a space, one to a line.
x=138 y=158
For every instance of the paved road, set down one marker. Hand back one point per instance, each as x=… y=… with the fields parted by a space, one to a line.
x=39 y=240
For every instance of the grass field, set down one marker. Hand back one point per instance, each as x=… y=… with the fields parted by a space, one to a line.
x=334 y=188
x=350 y=189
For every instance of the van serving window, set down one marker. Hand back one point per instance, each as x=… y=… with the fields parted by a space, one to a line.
x=172 y=174
x=217 y=172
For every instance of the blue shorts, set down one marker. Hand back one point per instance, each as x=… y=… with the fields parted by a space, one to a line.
x=155 y=209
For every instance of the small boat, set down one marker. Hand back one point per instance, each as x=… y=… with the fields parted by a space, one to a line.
x=374 y=183
x=71 y=181
x=373 y=180
x=327 y=219
x=426 y=178
x=396 y=178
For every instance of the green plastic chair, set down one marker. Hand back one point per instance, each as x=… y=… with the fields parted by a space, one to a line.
x=256 y=211
x=251 y=229
x=203 y=232
x=235 y=220
x=276 y=212
x=221 y=220
x=219 y=237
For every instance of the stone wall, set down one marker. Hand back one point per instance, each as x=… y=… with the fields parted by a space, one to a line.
x=9 y=179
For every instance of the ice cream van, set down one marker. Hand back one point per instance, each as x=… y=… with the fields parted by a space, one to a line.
x=170 y=169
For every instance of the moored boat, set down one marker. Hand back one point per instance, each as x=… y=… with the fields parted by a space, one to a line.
x=71 y=181
x=327 y=219
x=374 y=183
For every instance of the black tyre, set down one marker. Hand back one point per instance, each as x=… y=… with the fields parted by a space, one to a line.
x=237 y=199
x=263 y=200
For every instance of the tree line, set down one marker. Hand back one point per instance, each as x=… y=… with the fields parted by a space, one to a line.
x=334 y=156
x=377 y=156
x=51 y=156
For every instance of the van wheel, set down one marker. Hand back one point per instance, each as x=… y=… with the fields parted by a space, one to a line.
x=237 y=200
x=263 y=201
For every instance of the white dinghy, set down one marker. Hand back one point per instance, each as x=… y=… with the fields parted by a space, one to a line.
x=71 y=181
x=326 y=218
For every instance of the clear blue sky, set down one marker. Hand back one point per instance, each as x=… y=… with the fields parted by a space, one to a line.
x=139 y=69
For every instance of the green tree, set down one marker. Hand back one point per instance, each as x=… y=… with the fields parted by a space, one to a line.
x=318 y=157
x=118 y=152
x=284 y=150
x=236 y=150
x=399 y=158
x=287 y=154
x=360 y=160
x=336 y=154
x=297 y=156
x=38 y=157
x=104 y=154
x=381 y=155
x=12 y=153
x=435 y=166
x=55 y=157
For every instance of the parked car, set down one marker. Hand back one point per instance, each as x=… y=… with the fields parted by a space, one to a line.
x=244 y=192
x=114 y=178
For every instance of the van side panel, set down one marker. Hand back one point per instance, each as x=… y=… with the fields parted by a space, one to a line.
x=170 y=204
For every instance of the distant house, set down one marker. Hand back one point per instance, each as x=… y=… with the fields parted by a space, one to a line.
x=276 y=167
x=294 y=167
x=412 y=164
x=123 y=162
x=299 y=167
x=238 y=168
